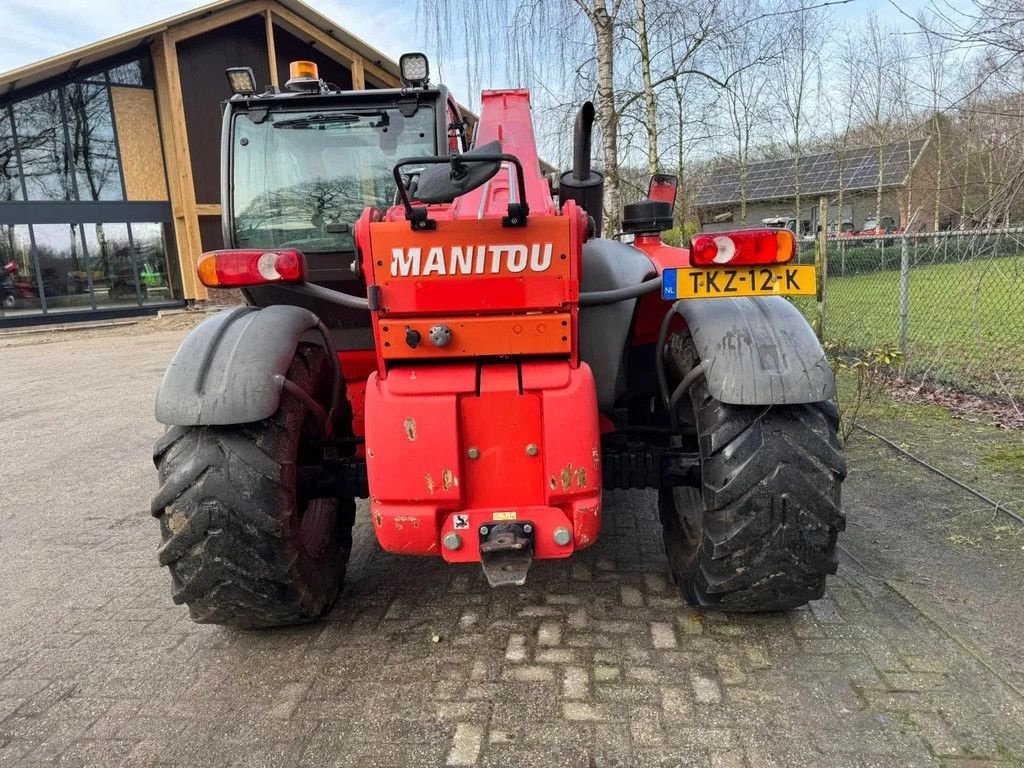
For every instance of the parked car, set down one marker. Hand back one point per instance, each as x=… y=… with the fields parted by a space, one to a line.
x=886 y=226
x=787 y=222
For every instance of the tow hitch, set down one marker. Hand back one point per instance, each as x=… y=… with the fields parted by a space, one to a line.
x=506 y=552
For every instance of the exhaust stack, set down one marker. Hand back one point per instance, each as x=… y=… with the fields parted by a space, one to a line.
x=582 y=184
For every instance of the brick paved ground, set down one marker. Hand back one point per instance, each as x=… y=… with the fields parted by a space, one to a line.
x=597 y=662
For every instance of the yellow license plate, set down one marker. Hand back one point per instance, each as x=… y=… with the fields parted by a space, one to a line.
x=726 y=282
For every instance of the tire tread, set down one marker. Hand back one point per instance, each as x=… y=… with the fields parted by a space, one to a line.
x=226 y=506
x=771 y=478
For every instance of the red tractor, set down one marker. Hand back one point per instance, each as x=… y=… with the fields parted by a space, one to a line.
x=428 y=329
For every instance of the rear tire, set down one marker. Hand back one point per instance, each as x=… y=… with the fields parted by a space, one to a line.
x=760 y=534
x=243 y=546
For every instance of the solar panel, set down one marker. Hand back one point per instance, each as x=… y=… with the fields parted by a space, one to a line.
x=822 y=173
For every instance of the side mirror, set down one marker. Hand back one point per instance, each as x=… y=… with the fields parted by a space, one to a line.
x=663 y=188
x=443 y=183
x=456 y=175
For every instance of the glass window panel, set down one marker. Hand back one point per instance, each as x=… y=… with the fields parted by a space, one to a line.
x=130 y=73
x=93 y=148
x=63 y=266
x=10 y=181
x=19 y=289
x=152 y=255
x=295 y=173
x=113 y=264
x=44 y=159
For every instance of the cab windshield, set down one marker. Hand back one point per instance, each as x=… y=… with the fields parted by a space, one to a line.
x=301 y=179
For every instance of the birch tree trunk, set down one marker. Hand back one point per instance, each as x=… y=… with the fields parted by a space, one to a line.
x=649 y=100
x=605 y=38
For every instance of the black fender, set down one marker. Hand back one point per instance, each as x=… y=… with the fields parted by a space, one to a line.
x=758 y=351
x=604 y=329
x=230 y=369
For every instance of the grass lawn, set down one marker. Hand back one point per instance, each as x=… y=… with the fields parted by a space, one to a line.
x=966 y=320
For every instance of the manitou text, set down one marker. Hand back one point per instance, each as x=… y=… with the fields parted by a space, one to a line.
x=470 y=260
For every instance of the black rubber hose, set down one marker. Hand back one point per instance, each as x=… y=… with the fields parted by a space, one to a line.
x=597 y=298
x=697 y=372
x=659 y=354
x=592 y=298
x=323 y=419
x=331 y=297
x=336 y=369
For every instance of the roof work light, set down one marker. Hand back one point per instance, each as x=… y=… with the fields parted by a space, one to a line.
x=241 y=80
x=414 y=69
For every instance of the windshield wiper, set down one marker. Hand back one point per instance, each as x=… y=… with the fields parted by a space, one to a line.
x=331 y=118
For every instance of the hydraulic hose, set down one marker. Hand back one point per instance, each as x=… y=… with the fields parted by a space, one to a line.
x=590 y=299
x=683 y=387
x=315 y=291
x=335 y=369
x=659 y=354
x=597 y=298
x=695 y=373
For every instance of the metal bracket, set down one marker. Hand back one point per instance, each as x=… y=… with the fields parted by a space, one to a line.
x=408 y=105
x=373 y=297
x=517 y=215
x=506 y=552
x=418 y=218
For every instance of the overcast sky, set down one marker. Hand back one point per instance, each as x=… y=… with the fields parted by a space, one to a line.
x=31 y=30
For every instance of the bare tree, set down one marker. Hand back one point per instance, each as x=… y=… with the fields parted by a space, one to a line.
x=987 y=120
x=936 y=52
x=536 y=30
x=838 y=113
x=800 y=78
x=650 y=100
x=744 y=102
x=874 y=97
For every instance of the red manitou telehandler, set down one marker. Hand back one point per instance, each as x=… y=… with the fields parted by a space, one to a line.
x=428 y=329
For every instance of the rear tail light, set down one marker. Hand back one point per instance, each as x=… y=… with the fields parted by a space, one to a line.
x=745 y=248
x=237 y=269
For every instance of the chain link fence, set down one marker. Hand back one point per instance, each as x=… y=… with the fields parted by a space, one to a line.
x=951 y=302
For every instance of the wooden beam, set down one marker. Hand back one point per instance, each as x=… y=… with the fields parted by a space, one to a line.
x=174 y=136
x=268 y=19
x=208 y=209
x=216 y=20
x=333 y=45
x=358 y=75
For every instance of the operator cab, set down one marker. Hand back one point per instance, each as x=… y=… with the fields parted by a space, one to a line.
x=299 y=166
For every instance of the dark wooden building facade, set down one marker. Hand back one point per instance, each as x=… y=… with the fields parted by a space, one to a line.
x=110 y=154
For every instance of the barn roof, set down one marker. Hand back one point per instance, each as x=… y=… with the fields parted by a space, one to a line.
x=824 y=173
